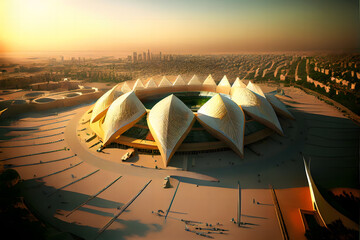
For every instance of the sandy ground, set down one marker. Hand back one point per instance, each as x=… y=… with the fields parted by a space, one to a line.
x=58 y=180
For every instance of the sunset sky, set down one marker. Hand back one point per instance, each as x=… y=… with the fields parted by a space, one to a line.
x=198 y=26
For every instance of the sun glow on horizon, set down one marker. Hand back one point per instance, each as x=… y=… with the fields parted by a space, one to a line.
x=200 y=26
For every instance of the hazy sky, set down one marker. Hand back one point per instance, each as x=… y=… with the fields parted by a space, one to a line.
x=201 y=26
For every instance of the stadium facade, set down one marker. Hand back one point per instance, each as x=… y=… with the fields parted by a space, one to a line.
x=231 y=116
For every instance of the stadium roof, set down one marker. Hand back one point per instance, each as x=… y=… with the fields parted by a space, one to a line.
x=224 y=82
x=238 y=83
x=225 y=120
x=179 y=81
x=138 y=85
x=102 y=104
x=122 y=114
x=257 y=107
x=279 y=106
x=165 y=82
x=151 y=84
x=125 y=88
x=169 y=121
x=255 y=88
x=209 y=81
x=194 y=81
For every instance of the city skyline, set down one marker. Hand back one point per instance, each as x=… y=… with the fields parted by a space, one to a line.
x=179 y=27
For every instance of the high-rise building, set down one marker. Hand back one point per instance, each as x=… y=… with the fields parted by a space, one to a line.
x=139 y=57
x=160 y=56
x=144 y=56
x=148 y=55
x=134 y=56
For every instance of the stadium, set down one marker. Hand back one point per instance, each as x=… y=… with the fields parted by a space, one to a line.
x=233 y=155
x=184 y=118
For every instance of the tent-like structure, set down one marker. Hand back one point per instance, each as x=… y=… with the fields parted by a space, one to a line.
x=279 y=106
x=223 y=86
x=194 y=81
x=194 y=84
x=165 y=82
x=256 y=107
x=125 y=88
x=209 y=81
x=123 y=113
x=138 y=85
x=255 y=88
x=327 y=213
x=209 y=84
x=238 y=83
x=225 y=120
x=179 y=81
x=102 y=104
x=169 y=121
x=151 y=84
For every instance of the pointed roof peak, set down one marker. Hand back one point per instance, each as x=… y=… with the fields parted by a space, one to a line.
x=102 y=104
x=125 y=88
x=169 y=122
x=138 y=84
x=224 y=82
x=255 y=88
x=257 y=107
x=222 y=115
x=194 y=81
x=179 y=81
x=151 y=83
x=122 y=114
x=209 y=81
x=238 y=83
x=165 y=82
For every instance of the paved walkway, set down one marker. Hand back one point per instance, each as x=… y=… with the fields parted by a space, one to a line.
x=123 y=169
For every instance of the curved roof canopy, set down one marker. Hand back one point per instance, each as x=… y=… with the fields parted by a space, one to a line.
x=238 y=83
x=194 y=81
x=169 y=121
x=255 y=88
x=279 y=106
x=257 y=107
x=123 y=113
x=327 y=212
x=125 y=88
x=209 y=81
x=225 y=120
x=224 y=82
x=179 y=81
x=165 y=82
x=138 y=85
x=151 y=84
x=102 y=104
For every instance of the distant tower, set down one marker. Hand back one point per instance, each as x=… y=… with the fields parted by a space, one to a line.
x=134 y=56
x=148 y=57
x=62 y=59
x=160 y=56
x=139 y=57
x=144 y=56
